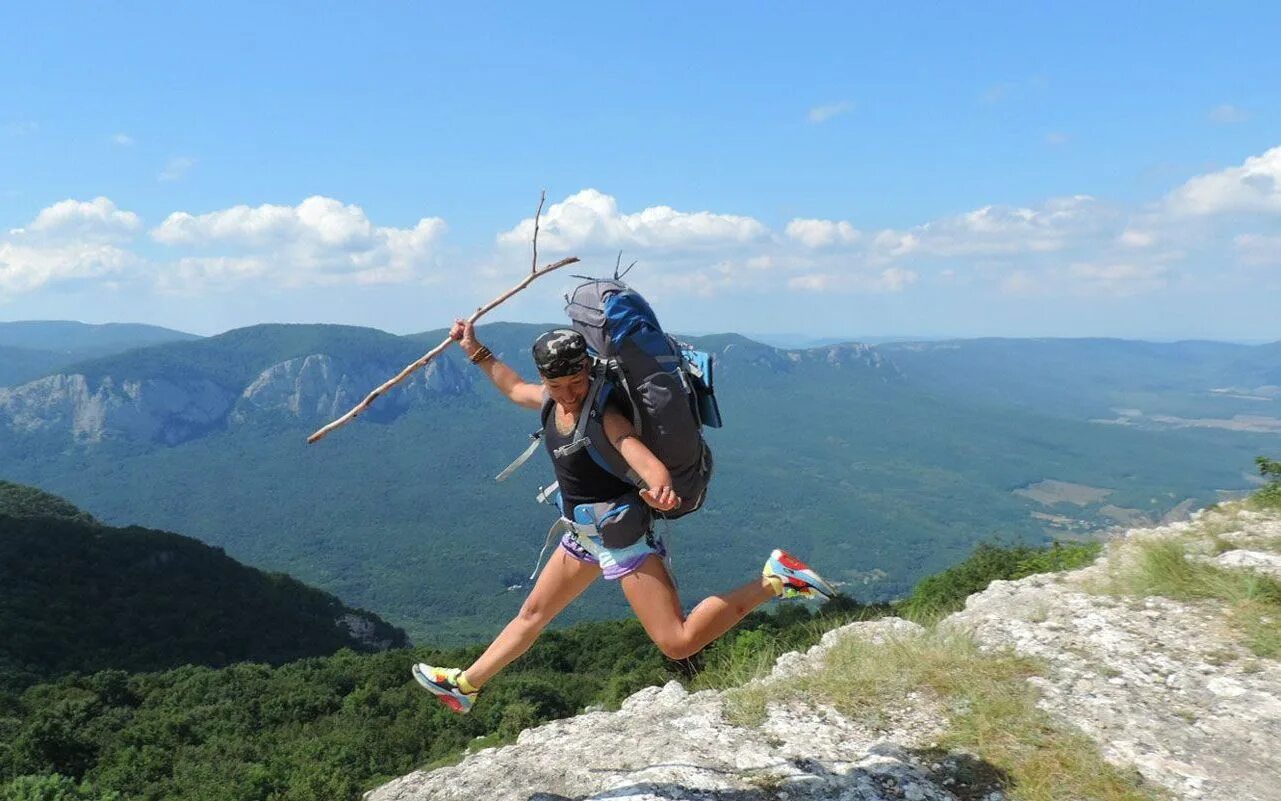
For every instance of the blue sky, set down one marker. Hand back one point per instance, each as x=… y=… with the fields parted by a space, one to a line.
x=1066 y=170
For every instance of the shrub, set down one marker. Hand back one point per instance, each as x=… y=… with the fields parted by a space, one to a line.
x=1269 y=496
x=946 y=592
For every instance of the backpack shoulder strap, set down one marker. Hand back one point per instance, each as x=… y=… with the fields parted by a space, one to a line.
x=534 y=439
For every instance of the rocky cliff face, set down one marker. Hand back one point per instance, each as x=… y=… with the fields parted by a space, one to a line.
x=173 y=411
x=153 y=409
x=316 y=386
x=1162 y=687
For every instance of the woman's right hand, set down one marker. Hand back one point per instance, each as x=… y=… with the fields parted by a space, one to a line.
x=464 y=333
x=664 y=498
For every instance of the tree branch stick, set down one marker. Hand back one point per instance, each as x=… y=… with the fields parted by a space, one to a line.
x=436 y=351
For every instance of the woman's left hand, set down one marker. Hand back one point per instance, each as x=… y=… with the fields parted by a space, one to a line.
x=664 y=499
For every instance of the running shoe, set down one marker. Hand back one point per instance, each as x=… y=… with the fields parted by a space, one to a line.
x=799 y=579
x=443 y=683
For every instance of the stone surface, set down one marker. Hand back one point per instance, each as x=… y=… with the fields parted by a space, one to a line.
x=1163 y=687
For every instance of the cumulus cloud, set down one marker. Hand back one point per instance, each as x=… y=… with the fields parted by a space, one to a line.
x=1255 y=186
x=1055 y=225
x=24 y=268
x=95 y=220
x=70 y=240
x=319 y=241
x=1137 y=238
x=822 y=233
x=1118 y=279
x=1258 y=249
x=821 y=114
x=1227 y=114
x=891 y=279
x=591 y=219
x=176 y=168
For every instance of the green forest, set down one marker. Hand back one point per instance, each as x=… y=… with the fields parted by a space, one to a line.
x=79 y=596
x=335 y=726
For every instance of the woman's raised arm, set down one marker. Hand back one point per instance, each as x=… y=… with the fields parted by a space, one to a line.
x=508 y=381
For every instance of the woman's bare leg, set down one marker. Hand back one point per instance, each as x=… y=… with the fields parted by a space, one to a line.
x=562 y=580
x=653 y=597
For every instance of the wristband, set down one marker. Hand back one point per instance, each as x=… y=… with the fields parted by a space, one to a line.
x=481 y=355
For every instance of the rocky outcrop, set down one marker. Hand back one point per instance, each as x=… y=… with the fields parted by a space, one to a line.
x=1164 y=688
x=173 y=411
x=367 y=631
x=316 y=386
x=666 y=743
x=743 y=353
x=160 y=410
x=1161 y=685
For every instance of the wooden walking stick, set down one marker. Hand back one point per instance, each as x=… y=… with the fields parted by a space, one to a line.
x=535 y=273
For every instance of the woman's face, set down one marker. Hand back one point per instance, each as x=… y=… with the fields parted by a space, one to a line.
x=570 y=391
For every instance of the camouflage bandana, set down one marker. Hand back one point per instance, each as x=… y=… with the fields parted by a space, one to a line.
x=559 y=353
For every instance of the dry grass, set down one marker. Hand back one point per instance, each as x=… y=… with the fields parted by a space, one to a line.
x=990 y=709
x=1162 y=567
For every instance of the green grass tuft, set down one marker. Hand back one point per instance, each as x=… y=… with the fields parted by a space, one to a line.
x=1162 y=567
x=990 y=707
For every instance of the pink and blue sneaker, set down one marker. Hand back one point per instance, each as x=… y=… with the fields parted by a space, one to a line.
x=795 y=578
x=443 y=683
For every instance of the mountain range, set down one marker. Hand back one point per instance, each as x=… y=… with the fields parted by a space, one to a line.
x=33 y=348
x=880 y=464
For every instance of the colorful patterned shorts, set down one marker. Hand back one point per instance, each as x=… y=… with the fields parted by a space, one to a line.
x=616 y=562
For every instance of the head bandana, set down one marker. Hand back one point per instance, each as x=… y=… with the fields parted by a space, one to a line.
x=560 y=352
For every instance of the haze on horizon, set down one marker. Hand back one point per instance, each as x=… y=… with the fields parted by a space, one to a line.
x=821 y=172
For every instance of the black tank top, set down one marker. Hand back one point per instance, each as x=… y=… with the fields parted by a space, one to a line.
x=581 y=479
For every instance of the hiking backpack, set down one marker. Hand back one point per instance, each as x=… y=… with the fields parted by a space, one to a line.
x=665 y=386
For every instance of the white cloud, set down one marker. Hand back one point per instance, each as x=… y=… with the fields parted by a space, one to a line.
x=93 y=220
x=591 y=220
x=1057 y=224
x=319 y=241
x=1020 y=282
x=24 y=268
x=69 y=240
x=176 y=168
x=1258 y=249
x=1117 y=279
x=1227 y=114
x=190 y=275
x=123 y=140
x=821 y=114
x=891 y=279
x=822 y=233
x=1255 y=186
x=1137 y=238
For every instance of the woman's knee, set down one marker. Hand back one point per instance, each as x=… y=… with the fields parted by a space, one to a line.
x=674 y=645
x=533 y=614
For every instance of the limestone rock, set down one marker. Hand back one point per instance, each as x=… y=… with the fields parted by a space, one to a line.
x=1163 y=687
x=160 y=410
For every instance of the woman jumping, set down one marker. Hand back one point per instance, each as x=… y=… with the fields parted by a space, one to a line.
x=622 y=545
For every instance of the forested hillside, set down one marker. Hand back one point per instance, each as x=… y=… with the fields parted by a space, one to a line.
x=34 y=348
x=79 y=597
